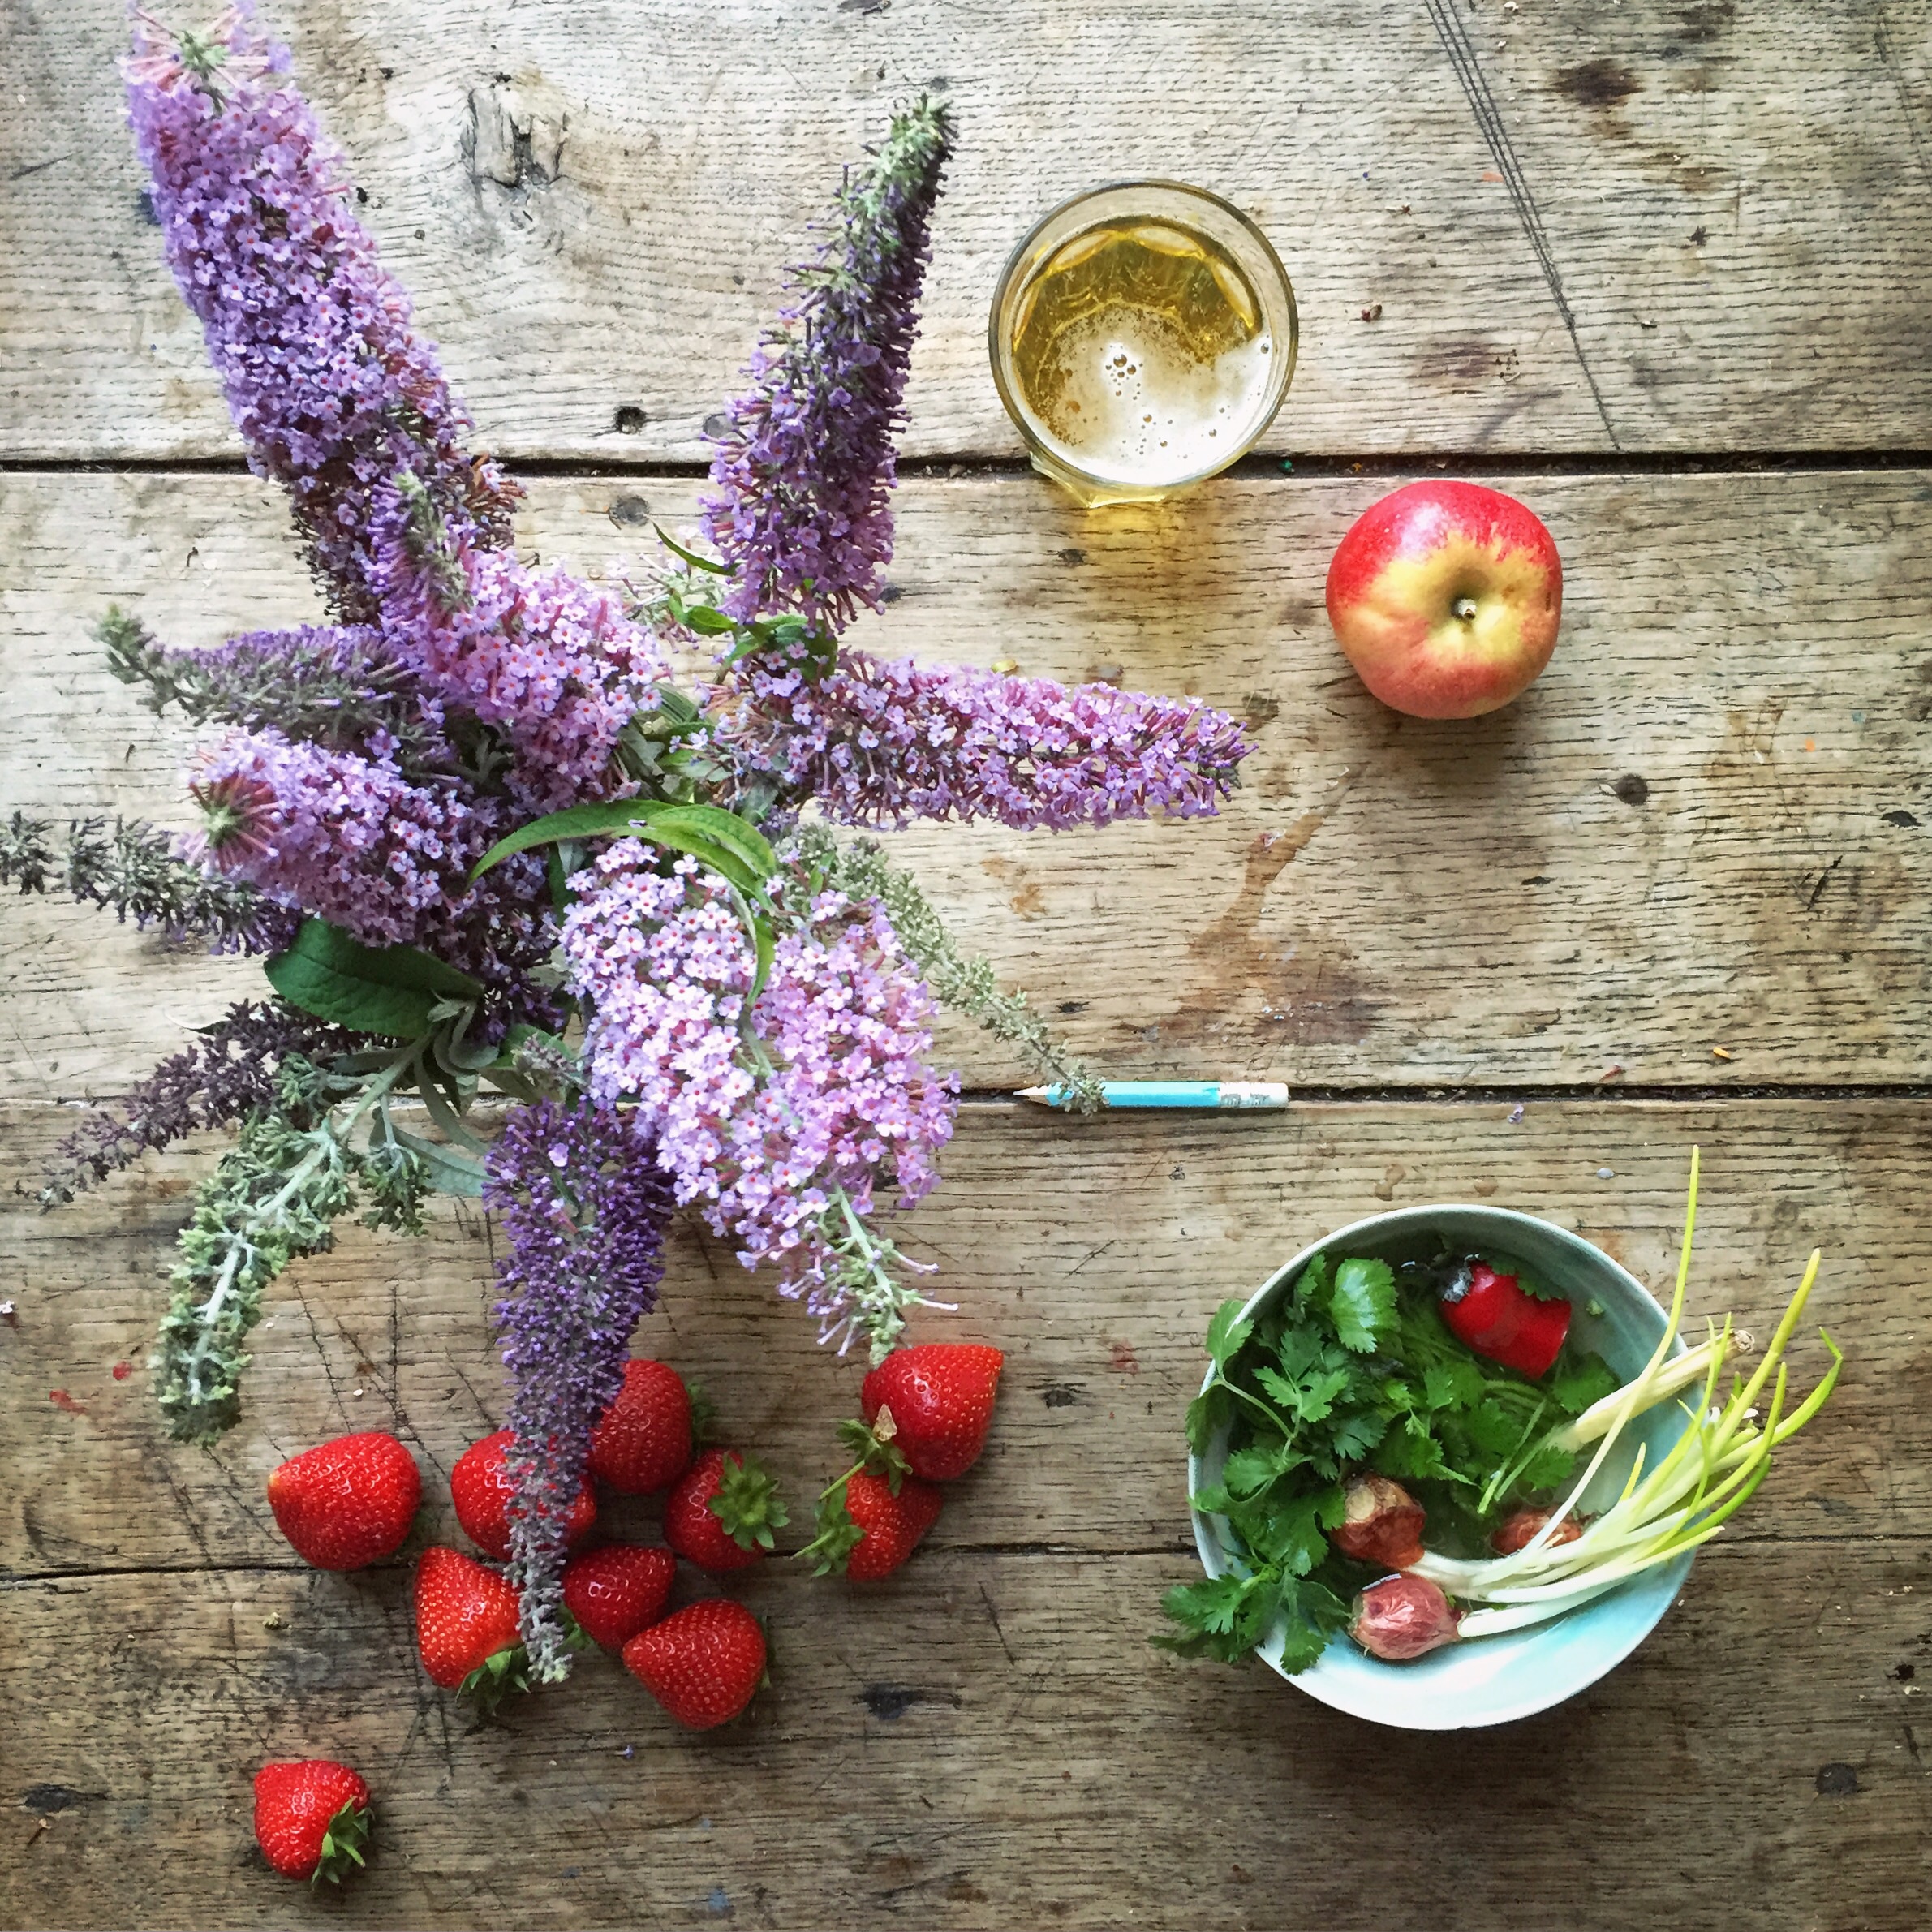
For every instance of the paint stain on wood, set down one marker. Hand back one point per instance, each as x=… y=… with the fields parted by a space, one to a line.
x=1597 y=83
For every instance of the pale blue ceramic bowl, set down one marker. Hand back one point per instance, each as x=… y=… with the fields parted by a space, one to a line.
x=1492 y=1680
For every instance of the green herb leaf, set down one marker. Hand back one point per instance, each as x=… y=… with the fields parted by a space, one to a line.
x=1588 y=1381
x=1227 y=1332
x=1362 y=1304
x=389 y=990
x=1310 y=1291
x=709 y=564
x=605 y=818
x=449 y=1173
x=1207 y=1414
x=1452 y=1383
x=1354 y=1435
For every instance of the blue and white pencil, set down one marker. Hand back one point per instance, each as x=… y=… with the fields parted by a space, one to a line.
x=1225 y=1096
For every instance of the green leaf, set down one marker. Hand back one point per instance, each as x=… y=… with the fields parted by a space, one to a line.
x=1362 y=1304
x=1215 y=1616
x=738 y=836
x=1292 y=1535
x=837 y=1536
x=1494 y=1429
x=1581 y=1383
x=449 y=1173
x=1207 y=1414
x=1311 y=1290
x=1251 y=1469
x=1454 y=1383
x=710 y=564
x=1546 y=1468
x=602 y=819
x=389 y=990
x=1353 y=1436
x=1412 y=1453
x=1227 y=1332
x=1535 y=1289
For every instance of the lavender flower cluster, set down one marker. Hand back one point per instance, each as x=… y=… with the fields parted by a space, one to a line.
x=776 y=1113
x=755 y=1041
x=583 y=1209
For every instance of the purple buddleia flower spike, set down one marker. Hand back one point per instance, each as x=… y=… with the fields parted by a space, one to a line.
x=784 y=1140
x=352 y=841
x=332 y=389
x=554 y=663
x=805 y=470
x=583 y=1209
x=881 y=744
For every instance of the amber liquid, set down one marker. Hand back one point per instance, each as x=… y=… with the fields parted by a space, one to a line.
x=1141 y=348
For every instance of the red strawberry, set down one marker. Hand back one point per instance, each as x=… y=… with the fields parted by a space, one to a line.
x=346 y=1503
x=466 y=1627
x=483 y=1492
x=643 y=1441
x=702 y=1664
x=867 y=1530
x=312 y=1818
x=614 y=1592
x=721 y=1512
x=941 y=1396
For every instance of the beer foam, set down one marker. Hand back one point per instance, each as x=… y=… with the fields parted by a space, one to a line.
x=1133 y=405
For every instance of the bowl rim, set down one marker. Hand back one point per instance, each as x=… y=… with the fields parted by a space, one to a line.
x=1208 y=1547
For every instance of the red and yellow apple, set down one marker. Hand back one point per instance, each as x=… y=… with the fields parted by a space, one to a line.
x=1445 y=597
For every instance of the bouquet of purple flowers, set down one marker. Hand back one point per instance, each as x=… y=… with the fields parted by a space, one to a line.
x=490 y=850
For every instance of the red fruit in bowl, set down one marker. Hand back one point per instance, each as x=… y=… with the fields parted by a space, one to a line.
x=703 y=1663
x=643 y=1442
x=721 y=1512
x=617 y=1591
x=466 y=1626
x=312 y=1818
x=1495 y=1315
x=482 y=1491
x=1446 y=596
x=941 y=1396
x=346 y=1503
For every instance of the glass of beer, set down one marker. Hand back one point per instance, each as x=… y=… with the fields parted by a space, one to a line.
x=1142 y=337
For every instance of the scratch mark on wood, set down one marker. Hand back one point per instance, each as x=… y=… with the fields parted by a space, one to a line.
x=1888 y=54
x=1468 y=73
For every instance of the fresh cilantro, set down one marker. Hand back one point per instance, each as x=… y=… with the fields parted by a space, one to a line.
x=1574 y=1387
x=1537 y=1290
x=1362 y=1305
x=1352 y=1368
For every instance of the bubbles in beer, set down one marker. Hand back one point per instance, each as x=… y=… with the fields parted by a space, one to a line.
x=1140 y=348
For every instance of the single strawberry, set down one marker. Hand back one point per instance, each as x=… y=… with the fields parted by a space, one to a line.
x=703 y=1663
x=346 y=1503
x=614 y=1593
x=868 y=1526
x=483 y=1492
x=941 y=1395
x=643 y=1441
x=466 y=1627
x=312 y=1818
x=721 y=1512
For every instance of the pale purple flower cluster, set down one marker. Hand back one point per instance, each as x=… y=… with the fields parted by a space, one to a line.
x=552 y=662
x=352 y=841
x=762 y=1111
x=806 y=468
x=333 y=390
x=880 y=744
x=583 y=1210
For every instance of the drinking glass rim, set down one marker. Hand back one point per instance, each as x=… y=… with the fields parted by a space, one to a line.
x=1021 y=417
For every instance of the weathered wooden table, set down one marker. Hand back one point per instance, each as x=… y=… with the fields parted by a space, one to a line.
x=1662 y=269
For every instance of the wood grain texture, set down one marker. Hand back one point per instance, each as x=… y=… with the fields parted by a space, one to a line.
x=987 y=1740
x=1094 y=1255
x=1706 y=826
x=1659 y=226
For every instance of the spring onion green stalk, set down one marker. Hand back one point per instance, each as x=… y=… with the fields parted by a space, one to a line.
x=1723 y=1454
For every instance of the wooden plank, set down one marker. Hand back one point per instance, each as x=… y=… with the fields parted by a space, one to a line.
x=1670 y=227
x=1704 y=828
x=989 y=1740
x=1094 y=1255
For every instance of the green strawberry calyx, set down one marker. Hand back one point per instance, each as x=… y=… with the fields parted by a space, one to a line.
x=343 y=1844
x=497 y=1677
x=747 y=1503
x=838 y=1536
